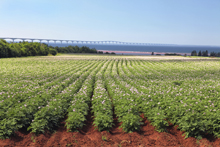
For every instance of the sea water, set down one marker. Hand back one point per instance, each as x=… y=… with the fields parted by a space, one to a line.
x=139 y=49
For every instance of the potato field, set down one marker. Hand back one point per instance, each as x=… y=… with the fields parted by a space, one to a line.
x=37 y=93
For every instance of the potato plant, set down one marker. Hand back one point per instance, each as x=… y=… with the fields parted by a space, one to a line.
x=37 y=93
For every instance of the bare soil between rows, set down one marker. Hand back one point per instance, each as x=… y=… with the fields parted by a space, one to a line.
x=89 y=137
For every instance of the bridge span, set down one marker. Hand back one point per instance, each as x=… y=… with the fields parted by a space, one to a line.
x=80 y=41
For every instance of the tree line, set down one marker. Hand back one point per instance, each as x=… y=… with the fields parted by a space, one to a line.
x=76 y=49
x=23 y=49
x=205 y=53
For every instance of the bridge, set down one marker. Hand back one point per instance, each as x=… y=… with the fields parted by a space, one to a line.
x=81 y=42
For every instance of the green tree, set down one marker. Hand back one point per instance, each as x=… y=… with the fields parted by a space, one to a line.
x=4 y=49
x=52 y=51
x=194 y=53
x=205 y=53
x=200 y=53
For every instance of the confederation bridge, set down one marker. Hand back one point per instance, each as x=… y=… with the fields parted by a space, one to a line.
x=79 y=42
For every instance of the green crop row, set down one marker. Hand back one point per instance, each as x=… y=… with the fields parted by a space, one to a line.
x=49 y=116
x=37 y=93
x=101 y=102
x=79 y=107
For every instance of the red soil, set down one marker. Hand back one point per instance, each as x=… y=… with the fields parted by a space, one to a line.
x=89 y=137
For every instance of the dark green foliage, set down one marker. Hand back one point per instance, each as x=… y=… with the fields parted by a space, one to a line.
x=100 y=52
x=177 y=82
x=22 y=49
x=74 y=49
x=194 y=53
x=200 y=53
x=213 y=54
x=205 y=53
x=37 y=49
x=52 y=51
x=4 y=49
x=172 y=54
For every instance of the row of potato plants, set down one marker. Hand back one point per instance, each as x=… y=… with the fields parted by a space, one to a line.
x=123 y=99
x=154 y=115
x=50 y=87
x=182 y=103
x=23 y=95
x=22 y=114
x=157 y=119
x=9 y=89
x=80 y=104
x=48 y=117
x=101 y=102
x=197 y=105
x=28 y=74
x=183 y=93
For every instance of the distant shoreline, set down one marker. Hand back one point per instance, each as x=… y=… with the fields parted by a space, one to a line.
x=141 y=53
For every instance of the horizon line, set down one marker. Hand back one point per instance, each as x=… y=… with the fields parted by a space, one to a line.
x=97 y=42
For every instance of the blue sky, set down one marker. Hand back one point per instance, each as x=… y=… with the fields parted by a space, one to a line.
x=191 y=22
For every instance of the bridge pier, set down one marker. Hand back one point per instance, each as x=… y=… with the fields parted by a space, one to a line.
x=78 y=41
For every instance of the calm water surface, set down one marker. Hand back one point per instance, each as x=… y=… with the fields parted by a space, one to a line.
x=132 y=48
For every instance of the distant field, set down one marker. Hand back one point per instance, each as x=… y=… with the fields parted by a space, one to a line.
x=37 y=93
